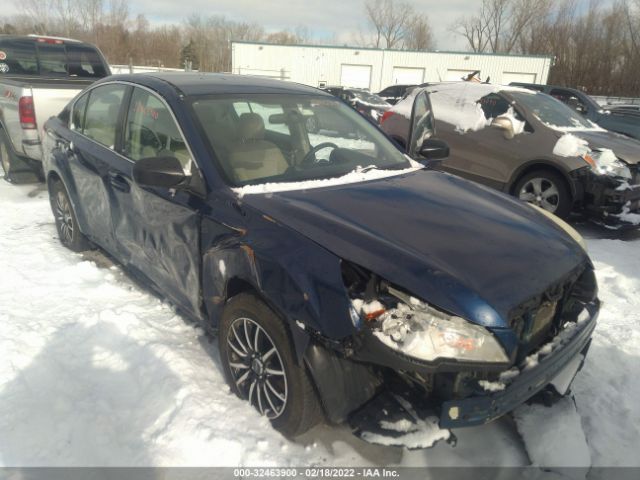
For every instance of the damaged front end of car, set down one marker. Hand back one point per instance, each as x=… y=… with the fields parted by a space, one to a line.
x=611 y=190
x=422 y=371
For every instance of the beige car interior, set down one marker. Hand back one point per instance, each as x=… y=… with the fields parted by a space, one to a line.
x=254 y=157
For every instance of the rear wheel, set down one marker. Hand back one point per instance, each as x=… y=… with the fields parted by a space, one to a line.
x=259 y=366
x=7 y=157
x=65 y=218
x=547 y=190
x=17 y=169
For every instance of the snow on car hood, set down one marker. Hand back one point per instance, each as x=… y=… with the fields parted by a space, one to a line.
x=625 y=148
x=467 y=249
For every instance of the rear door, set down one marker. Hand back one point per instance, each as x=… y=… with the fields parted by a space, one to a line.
x=90 y=155
x=157 y=229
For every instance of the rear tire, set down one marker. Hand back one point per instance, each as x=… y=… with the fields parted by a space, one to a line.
x=288 y=399
x=7 y=157
x=17 y=170
x=547 y=190
x=66 y=222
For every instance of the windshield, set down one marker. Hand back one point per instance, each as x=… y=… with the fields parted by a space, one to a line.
x=552 y=112
x=291 y=138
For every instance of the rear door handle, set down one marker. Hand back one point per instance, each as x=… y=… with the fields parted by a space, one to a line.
x=119 y=182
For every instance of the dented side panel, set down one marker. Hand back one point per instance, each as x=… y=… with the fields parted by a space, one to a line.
x=298 y=279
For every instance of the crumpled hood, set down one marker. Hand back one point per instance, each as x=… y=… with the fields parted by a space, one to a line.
x=465 y=248
x=628 y=149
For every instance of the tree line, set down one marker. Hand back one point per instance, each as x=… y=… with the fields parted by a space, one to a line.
x=596 y=47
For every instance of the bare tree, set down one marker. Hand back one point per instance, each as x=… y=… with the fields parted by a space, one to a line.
x=390 y=21
x=419 y=35
x=499 y=24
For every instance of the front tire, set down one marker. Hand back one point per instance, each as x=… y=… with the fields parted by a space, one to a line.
x=66 y=222
x=547 y=190
x=259 y=366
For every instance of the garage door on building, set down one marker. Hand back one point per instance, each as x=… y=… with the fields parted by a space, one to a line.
x=407 y=76
x=356 y=76
x=508 y=77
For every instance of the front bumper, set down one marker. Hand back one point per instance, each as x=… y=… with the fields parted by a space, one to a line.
x=611 y=202
x=478 y=410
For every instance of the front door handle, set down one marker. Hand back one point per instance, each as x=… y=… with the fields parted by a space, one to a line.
x=119 y=182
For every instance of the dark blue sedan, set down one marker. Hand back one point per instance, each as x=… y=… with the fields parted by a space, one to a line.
x=345 y=280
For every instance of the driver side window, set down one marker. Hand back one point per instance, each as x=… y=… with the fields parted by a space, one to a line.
x=151 y=130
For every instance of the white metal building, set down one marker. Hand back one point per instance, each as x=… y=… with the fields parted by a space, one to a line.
x=376 y=69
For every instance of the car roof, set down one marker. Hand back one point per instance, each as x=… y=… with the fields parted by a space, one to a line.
x=195 y=83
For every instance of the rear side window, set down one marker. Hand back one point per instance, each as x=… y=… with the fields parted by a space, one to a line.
x=101 y=117
x=18 y=57
x=493 y=105
x=77 y=114
x=151 y=130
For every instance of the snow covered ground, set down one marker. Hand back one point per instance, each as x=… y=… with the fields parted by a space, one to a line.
x=97 y=371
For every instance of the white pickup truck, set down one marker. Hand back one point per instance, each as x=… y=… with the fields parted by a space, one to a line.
x=39 y=75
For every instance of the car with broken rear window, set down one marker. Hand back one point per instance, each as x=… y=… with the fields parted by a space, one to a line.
x=527 y=144
x=344 y=280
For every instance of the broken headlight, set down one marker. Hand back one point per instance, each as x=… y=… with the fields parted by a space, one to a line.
x=605 y=162
x=420 y=331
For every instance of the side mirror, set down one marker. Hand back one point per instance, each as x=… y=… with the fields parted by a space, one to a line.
x=506 y=125
x=434 y=150
x=159 y=172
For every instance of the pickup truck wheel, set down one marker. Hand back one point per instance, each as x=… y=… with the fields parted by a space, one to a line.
x=65 y=219
x=259 y=366
x=547 y=190
x=6 y=155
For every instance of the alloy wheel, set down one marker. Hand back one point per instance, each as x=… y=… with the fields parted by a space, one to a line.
x=541 y=192
x=256 y=367
x=64 y=217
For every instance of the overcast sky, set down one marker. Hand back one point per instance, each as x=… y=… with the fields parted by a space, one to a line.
x=325 y=19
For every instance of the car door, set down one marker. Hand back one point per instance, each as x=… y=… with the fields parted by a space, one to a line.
x=485 y=155
x=90 y=152
x=157 y=229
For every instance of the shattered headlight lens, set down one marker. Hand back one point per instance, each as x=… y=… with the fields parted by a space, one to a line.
x=605 y=162
x=424 y=333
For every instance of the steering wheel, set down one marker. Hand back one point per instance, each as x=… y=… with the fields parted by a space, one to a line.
x=311 y=154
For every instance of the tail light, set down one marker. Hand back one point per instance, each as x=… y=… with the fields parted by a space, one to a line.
x=51 y=41
x=386 y=115
x=27 y=113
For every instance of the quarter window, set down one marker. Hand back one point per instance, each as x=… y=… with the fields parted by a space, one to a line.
x=77 y=117
x=101 y=118
x=151 y=130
